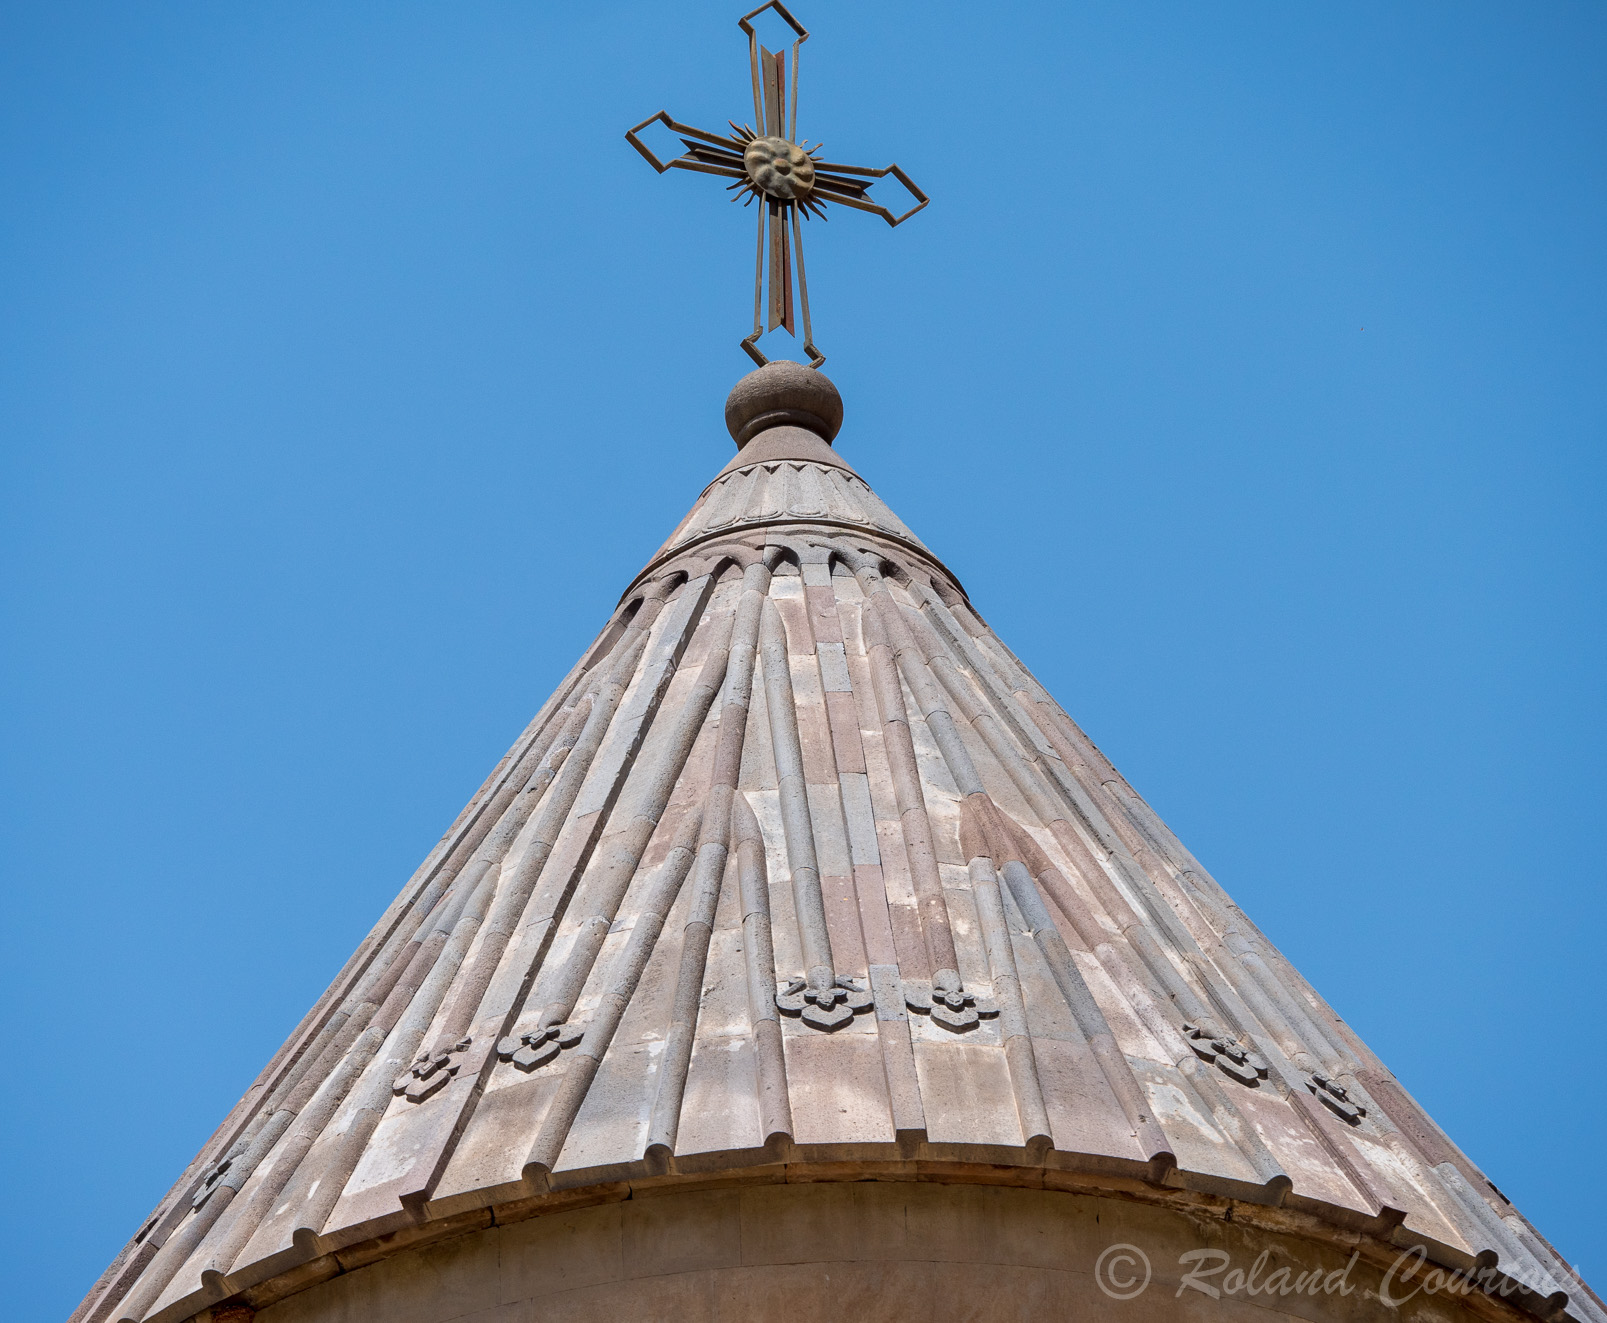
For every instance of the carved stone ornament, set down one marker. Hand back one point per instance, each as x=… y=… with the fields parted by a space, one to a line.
x=431 y=1073
x=539 y=1046
x=1336 y=1098
x=215 y=1174
x=824 y=1008
x=949 y=1004
x=780 y=168
x=1227 y=1055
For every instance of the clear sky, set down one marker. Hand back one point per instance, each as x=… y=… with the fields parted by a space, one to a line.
x=1247 y=368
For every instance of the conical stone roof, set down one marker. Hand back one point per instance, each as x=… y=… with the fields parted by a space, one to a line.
x=801 y=869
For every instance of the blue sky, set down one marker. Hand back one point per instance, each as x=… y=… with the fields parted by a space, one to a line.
x=1247 y=368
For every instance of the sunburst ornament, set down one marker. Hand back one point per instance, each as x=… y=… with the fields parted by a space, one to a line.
x=787 y=176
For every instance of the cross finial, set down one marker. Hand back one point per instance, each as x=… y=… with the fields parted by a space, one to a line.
x=786 y=176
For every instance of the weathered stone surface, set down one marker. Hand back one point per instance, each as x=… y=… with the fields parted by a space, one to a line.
x=903 y=1252
x=803 y=892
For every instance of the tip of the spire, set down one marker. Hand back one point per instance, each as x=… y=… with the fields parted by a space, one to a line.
x=783 y=394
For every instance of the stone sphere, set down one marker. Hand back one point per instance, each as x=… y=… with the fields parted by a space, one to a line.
x=781 y=394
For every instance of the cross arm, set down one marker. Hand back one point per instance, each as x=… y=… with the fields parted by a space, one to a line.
x=697 y=158
x=850 y=193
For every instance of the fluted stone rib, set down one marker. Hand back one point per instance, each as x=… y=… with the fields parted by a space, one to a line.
x=1249 y=951
x=406 y=969
x=1413 y=1124
x=1546 y=1282
x=124 y=1270
x=486 y=810
x=1143 y=869
x=1190 y=1007
x=991 y=654
x=983 y=831
x=535 y=844
x=1336 y=1060
x=1241 y=1133
x=617 y=869
x=1425 y=1152
x=509 y=988
x=709 y=871
x=1099 y=942
x=928 y=699
x=1098 y=770
x=931 y=905
x=796 y=821
x=973 y=713
x=581 y=1064
x=1085 y=1010
x=1220 y=910
x=1090 y=1019
x=337 y=1037
x=177 y=1251
x=1241 y=1001
x=1239 y=1130
x=333 y=1041
x=1258 y=1022
x=1240 y=957
x=646 y=795
x=377 y=991
x=425 y=958
x=494 y=849
x=1028 y=776
x=318 y=1105
x=759 y=964
x=385 y=980
x=1033 y=776
x=1018 y=1054
x=842 y=718
x=335 y=1052
x=510 y=900
x=1122 y=886
x=493 y=812
x=1125 y=878
x=1230 y=1120
x=424 y=889
x=271 y=1115
x=1119 y=1075
x=511 y=889
x=573 y=750
x=1520 y=1263
x=1225 y=991
x=316 y=1199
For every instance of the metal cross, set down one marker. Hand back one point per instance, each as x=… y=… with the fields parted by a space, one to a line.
x=788 y=178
